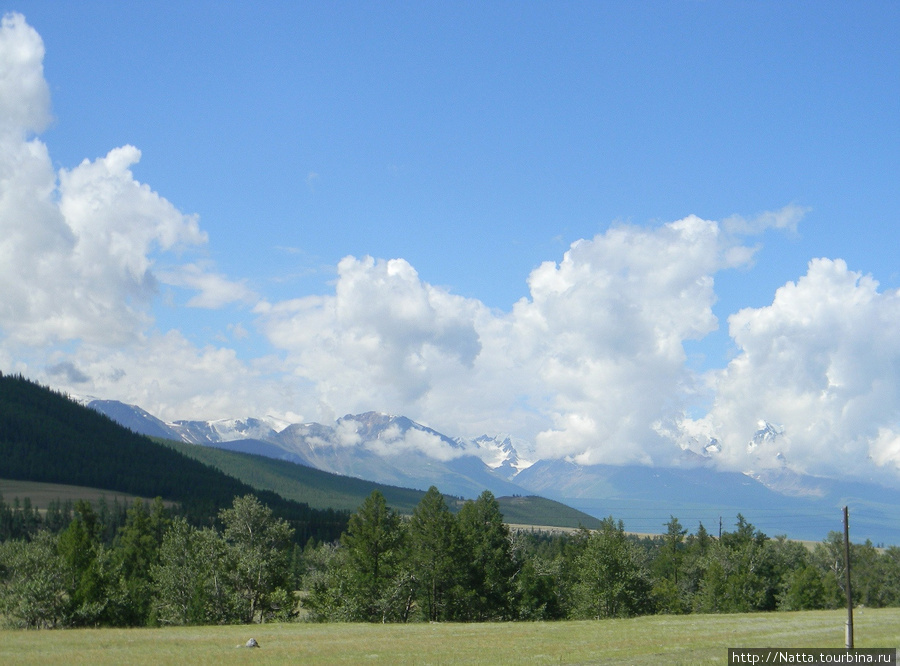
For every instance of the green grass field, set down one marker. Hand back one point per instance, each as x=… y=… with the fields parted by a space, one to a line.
x=41 y=494
x=687 y=639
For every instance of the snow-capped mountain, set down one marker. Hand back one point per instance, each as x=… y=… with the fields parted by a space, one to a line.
x=500 y=453
x=393 y=450
x=227 y=430
x=766 y=436
x=398 y=451
x=379 y=447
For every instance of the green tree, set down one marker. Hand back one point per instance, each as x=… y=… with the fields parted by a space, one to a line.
x=888 y=575
x=488 y=556
x=672 y=550
x=667 y=567
x=536 y=581
x=693 y=565
x=374 y=543
x=797 y=584
x=804 y=589
x=828 y=557
x=136 y=551
x=435 y=557
x=739 y=576
x=613 y=580
x=326 y=578
x=259 y=559
x=864 y=572
x=189 y=581
x=89 y=566
x=34 y=586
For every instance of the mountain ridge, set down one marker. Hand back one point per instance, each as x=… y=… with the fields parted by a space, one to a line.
x=47 y=438
x=396 y=450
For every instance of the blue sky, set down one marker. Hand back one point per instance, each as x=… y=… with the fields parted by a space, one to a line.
x=472 y=143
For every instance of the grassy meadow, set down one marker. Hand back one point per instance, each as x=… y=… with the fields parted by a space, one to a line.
x=685 y=639
x=41 y=494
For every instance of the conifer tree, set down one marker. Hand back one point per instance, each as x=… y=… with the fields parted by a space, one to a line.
x=137 y=550
x=374 y=543
x=435 y=556
x=487 y=554
x=88 y=565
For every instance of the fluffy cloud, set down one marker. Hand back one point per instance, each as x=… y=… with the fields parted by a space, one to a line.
x=77 y=247
x=606 y=329
x=385 y=337
x=822 y=363
x=24 y=95
x=169 y=376
x=78 y=250
x=586 y=365
x=394 y=442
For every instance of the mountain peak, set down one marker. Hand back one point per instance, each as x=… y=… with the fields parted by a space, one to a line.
x=766 y=434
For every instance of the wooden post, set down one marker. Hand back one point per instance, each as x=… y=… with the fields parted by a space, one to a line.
x=849 y=641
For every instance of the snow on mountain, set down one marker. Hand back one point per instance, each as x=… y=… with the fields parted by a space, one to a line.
x=765 y=436
x=393 y=450
x=84 y=399
x=379 y=447
x=398 y=451
x=390 y=435
x=499 y=453
x=228 y=430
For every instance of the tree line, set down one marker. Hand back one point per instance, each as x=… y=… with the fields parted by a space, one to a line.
x=438 y=566
x=146 y=565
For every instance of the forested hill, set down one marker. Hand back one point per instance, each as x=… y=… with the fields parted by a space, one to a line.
x=46 y=437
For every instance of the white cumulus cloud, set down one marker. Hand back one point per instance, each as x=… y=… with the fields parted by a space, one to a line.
x=78 y=254
x=384 y=337
x=24 y=94
x=78 y=247
x=822 y=362
x=172 y=378
x=586 y=365
x=606 y=327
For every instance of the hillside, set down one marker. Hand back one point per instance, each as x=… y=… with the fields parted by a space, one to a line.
x=298 y=482
x=46 y=437
x=326 y=490
x=537 y=511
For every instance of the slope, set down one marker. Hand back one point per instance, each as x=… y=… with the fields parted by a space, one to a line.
x=324 y=489
x=46 y=437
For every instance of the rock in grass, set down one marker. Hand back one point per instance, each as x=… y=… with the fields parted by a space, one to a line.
x=250 y=644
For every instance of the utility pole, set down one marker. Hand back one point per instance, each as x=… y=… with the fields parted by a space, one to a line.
x=849 y=641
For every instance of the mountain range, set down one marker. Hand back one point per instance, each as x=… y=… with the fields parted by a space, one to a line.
x=398 y=451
